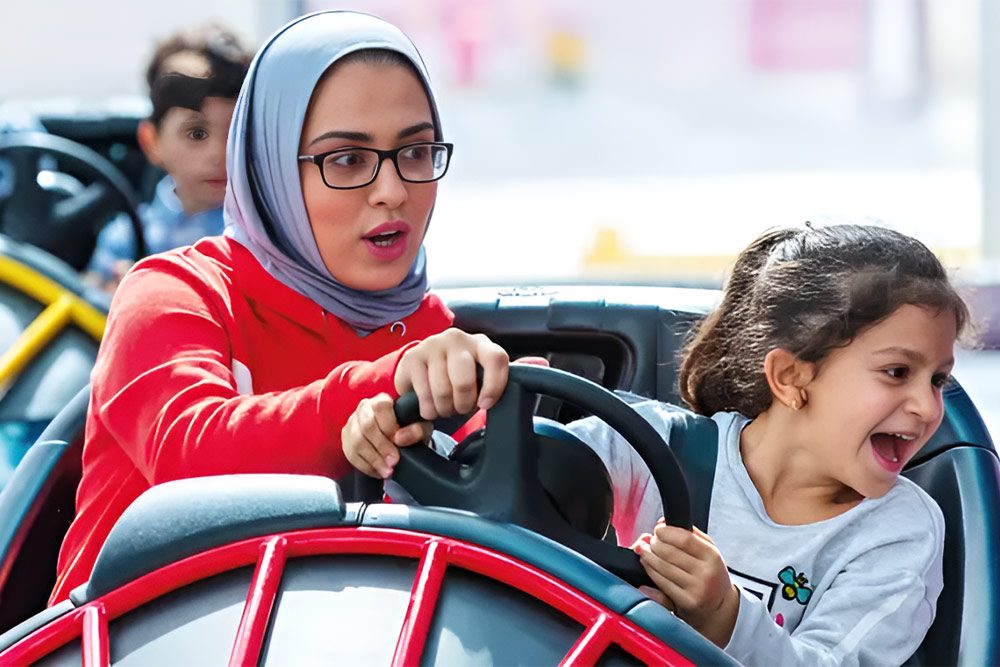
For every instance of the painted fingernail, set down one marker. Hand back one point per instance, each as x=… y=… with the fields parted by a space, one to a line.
x=661 y=521
x=637 y=548
x=647 y=538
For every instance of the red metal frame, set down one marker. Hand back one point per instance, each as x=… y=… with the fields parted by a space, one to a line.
x=602 y=627
x=260 y=600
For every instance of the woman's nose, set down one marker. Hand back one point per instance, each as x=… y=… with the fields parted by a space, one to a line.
x=388 y=189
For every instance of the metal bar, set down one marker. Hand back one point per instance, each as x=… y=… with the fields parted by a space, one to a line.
x=423 y=600
x=94 y=636
x=591 y=645
x=260 y=601
x=35 y=336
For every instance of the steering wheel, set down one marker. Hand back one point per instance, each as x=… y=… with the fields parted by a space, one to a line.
x=503 y=483
x=63 y=193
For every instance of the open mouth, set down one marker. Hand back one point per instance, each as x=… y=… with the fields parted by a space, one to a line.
x=892 y=448
x=385 y=240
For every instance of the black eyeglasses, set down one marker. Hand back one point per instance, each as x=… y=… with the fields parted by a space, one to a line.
x=349 y=168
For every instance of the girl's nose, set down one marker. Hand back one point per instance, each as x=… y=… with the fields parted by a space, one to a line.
x=927 y=403
x=388 y=189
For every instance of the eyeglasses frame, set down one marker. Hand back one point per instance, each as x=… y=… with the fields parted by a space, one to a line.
x=391 y=154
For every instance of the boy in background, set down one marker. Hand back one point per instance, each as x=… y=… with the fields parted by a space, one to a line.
x=194 y=79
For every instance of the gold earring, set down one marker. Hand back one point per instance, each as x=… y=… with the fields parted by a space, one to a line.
x=795 y=404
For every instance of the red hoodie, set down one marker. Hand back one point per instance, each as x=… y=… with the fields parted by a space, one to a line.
x=211 y=366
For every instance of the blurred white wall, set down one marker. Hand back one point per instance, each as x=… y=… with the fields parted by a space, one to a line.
x=100 y=47
x=683 y=128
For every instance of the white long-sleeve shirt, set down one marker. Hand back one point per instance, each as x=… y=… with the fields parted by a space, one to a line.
x=859 y=588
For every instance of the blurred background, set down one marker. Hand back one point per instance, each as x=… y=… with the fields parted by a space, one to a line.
x=642 y=142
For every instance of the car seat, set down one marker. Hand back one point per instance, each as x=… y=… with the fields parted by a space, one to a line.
x=36 y=508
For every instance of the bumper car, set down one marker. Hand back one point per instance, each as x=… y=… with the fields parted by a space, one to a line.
x=55 y=195
x=496 y=565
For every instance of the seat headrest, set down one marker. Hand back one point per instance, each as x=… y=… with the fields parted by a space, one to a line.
x=961 y=424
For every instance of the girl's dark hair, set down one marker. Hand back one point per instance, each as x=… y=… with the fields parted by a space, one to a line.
x=807 y=291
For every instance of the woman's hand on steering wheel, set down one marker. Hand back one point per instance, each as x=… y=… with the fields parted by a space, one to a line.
x=371 y=436
x=441 y=370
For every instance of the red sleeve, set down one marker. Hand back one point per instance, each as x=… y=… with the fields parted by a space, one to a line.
x=164 y=389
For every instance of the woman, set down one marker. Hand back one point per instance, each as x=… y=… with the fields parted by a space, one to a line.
x=250 y=352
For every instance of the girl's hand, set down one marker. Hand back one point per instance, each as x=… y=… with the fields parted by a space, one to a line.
x=371 y=436
x=441 y=369
x=688 y=568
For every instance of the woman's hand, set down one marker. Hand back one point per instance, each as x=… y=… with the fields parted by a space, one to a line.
x=441 y=369
x=371 y=436
x=688 y=569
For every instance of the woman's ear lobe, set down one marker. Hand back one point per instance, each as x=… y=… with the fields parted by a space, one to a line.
x=149 y=141
x=787 y=375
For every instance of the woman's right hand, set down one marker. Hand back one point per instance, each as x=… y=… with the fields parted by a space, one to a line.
x=371 y=436
x=441 y=370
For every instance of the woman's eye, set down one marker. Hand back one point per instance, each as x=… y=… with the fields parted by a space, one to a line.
x=347 y=160
x=415 y=153
x=197 y=134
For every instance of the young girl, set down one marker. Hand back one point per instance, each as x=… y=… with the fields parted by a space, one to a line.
x=250 y=352
x=823 y=368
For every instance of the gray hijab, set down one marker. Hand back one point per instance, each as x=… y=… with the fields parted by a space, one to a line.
x=264 y=210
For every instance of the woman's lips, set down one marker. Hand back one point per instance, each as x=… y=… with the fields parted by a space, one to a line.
x=217 y=183
x=388 y=241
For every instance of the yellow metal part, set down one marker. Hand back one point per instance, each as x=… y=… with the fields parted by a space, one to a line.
x=62 y=307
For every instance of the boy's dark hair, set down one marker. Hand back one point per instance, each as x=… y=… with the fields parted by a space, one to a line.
x=200 y=62
x=807 y=291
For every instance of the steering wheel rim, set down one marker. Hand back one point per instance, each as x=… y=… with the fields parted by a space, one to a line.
x=23 y=151
x=503 y=484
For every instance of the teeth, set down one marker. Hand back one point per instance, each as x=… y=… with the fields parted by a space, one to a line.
x=383 y=240
x=903 y=437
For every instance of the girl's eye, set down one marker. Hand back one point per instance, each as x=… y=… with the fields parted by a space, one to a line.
x=940 y=380
x=197 y=134
x=897 y=372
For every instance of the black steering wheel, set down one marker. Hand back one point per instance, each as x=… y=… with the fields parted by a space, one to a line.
x=62 y=194
x=503 y=483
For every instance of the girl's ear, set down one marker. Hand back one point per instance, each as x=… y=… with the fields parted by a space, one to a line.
x=787 y=376
x=149 y=141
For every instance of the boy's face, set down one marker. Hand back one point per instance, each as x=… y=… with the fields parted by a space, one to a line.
x=191 y=147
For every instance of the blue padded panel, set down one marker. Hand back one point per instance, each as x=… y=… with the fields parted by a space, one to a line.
x=68 y=424
x=694 y=440
x=25 y=628
x=549 y=556
x=675 y=632
x=177 y=519
x=961 y=424
x=965 y=482
x=18 y=498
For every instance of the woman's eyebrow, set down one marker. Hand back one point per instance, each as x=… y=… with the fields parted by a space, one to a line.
x=364 y=137
x=414 y=129
x=343 y=134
